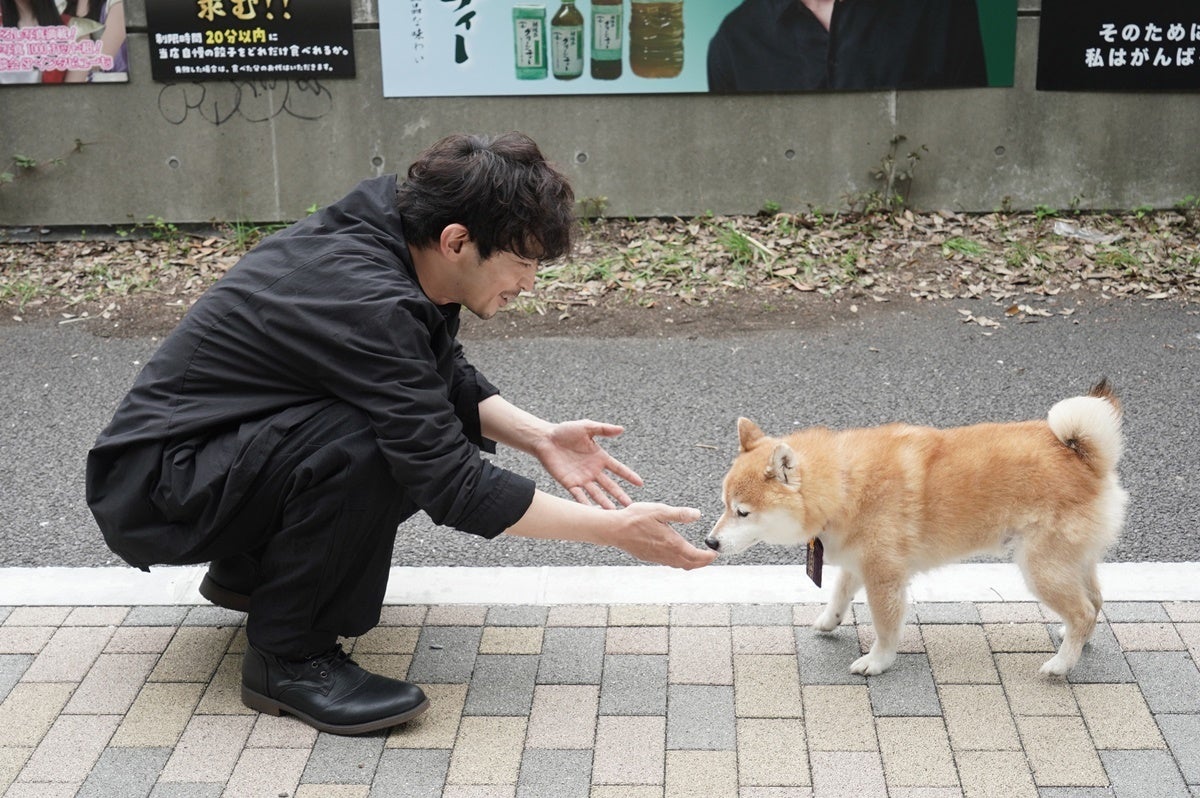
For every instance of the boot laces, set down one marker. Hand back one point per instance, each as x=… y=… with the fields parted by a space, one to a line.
x=329 y=660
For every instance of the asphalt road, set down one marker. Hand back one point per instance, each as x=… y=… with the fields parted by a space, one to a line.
x=679 y=398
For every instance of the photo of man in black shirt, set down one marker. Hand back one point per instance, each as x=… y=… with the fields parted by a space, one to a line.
x=809 y=45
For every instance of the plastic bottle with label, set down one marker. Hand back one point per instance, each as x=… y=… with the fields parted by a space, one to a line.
x=656 y=38
x=608 y=32
x=529 y=38
x=566 y=42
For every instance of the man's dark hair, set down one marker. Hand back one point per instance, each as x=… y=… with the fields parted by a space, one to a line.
x=500 y=188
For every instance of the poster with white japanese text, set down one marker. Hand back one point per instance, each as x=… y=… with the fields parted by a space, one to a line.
x=1104 y=45
x=461 y=48
x=62 y=41
x=256 y=39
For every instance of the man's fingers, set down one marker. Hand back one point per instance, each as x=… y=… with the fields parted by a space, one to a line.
x=686 y=556
x=592 y=494
x=614 y=490
x=698 y=558
x=604 y=430
x=600 y=497
x=681 y=515
x=623 y=471
x=628 y=474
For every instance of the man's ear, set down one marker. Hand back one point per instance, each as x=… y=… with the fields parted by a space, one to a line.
x=454 y=237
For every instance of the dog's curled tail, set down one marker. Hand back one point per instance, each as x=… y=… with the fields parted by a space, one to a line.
x=1090 y=426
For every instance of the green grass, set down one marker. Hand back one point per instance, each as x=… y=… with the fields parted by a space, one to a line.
x=21 y=291
x=848 y=267
x=1016 y=256
x=1119 y=259
x=737 y=245
x=246 y=235
x=1041 y=212
x=964 y=246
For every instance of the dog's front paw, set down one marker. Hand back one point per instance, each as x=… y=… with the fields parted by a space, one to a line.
x=1058 y=665
x=872 y=663
x=827 y=621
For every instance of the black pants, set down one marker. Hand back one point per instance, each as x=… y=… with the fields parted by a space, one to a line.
x=306 y=493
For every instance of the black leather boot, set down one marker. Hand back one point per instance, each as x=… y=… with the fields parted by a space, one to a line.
x=230 y=581
x=328 y=691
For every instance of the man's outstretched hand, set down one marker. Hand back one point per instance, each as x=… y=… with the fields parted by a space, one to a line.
x=642 y=529
x=570 y=454
x=646 y=533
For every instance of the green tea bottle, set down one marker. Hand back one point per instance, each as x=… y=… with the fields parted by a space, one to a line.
x=607 y=33
x=529 y=38
x=566 y=42
x=656 y=38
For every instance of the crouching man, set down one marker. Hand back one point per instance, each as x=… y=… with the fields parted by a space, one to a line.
x=316 y=396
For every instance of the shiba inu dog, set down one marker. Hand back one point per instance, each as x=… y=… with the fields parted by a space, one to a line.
x=889 y=502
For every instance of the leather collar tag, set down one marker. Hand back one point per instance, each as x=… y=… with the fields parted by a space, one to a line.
x=815 y=556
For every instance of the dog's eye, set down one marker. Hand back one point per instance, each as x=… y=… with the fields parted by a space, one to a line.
x=743 y=513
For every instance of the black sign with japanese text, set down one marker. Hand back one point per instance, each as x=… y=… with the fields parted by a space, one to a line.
x=239 y=39
x=1115 y=45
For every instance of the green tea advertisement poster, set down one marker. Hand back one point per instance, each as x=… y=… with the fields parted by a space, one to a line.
x=462 y=48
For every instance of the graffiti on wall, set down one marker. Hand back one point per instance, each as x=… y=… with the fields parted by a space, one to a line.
x=248 y=100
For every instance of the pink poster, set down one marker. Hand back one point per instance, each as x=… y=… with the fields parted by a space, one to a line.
x=62 y=41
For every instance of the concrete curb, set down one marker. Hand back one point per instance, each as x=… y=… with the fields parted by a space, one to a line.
x=747 y=584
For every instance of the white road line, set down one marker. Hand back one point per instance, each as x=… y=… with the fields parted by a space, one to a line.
x=742 y=584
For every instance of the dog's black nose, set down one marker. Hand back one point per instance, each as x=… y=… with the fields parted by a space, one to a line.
x=713 y=544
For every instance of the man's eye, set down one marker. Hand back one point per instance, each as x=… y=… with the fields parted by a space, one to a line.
x=743 y=513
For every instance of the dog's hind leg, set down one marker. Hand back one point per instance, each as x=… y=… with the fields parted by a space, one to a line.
x=1093 y=587
x=1070 y=589
x=847 y=585
x=886 y=597
x=1092 y=583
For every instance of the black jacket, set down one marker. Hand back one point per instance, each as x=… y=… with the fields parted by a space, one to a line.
x=327 y=310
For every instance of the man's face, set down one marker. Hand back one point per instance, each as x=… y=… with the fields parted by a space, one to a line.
x=496 y=281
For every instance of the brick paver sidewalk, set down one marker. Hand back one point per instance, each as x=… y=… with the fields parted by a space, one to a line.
x=617 y=701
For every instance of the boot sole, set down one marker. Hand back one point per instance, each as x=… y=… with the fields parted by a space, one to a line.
x=223 y=596
x=258 y=701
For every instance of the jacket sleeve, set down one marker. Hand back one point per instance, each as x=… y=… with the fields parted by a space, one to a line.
x=469 y=388
x=414 y=395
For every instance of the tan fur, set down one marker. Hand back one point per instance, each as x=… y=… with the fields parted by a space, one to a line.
x=889 y=502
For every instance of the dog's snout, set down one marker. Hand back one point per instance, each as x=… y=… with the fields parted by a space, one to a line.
x=712 y=543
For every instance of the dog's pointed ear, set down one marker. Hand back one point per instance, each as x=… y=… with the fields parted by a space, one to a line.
x=783 y=465
x=749 y=433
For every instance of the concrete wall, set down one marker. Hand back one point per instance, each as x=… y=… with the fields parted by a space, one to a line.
x=204 y=151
